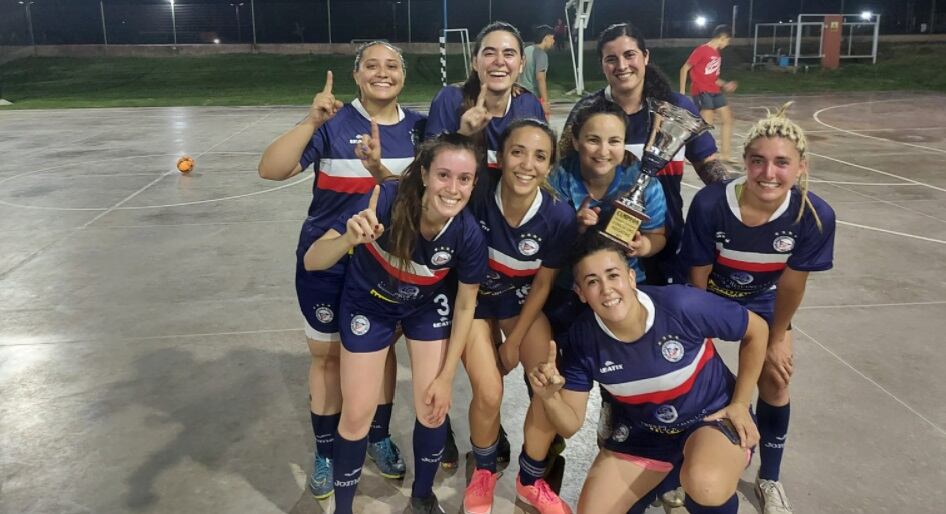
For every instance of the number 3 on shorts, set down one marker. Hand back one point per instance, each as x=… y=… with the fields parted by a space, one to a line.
x=444 y=302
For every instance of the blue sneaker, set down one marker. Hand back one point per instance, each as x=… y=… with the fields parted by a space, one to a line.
x=388 y=458
x=322 y=481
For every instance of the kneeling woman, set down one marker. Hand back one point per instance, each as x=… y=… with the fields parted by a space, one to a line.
x=406 y=239
x=673 y=401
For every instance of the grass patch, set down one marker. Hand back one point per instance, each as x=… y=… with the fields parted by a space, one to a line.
x=48 y=82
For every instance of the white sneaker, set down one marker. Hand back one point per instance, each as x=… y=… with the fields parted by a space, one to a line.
x=773 y=497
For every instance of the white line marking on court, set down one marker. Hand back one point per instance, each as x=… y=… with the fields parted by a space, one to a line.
x=842 y=183
x=866 y=227
x=167 y=173
x=893 y=232
x=830 y=131
x=872 y=381
x=868 y=136
x=868 y=305
x=875 y=170
x=305 y=178
x=151 y=338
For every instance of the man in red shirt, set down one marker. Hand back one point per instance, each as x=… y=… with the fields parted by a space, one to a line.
x=707 y=88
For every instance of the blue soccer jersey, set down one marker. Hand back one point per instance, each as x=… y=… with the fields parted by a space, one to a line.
x=567 y=182
x=375 y=273
x=670 y=378
x=543 y=238
x=341 y=177
x=748 y=261
x=445 y=112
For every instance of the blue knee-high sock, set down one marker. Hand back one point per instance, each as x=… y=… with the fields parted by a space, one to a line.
x=730 y=507
x=773 y=429
x=486 y=457
x=349 y=458
x=670 y=482
x=530 y=470
x=381 y=424
x=324 y=427
x=428 y=449
x=643 y=503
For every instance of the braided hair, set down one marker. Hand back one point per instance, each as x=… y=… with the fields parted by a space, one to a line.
x=777 y=124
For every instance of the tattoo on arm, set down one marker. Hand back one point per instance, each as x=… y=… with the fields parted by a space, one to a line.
x=712 y=171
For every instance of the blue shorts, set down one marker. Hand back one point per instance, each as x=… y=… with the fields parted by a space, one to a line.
x=562 y=307
x=709 y=101
x=627 y=439
x=763 y=305
x=502 y=306
x=319 y=293
x=368 y=324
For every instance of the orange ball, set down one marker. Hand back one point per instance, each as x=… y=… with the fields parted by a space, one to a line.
x=185 y=164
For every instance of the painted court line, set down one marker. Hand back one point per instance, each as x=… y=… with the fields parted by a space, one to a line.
x=872 y=381
x=107 y=338
x=868 y=136
x=869 y=305
x=172 y=170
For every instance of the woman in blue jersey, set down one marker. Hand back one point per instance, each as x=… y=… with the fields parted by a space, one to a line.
x=672 y=400
x=593 y=172
x=404 y=241
x=632 y=79
x=526 y=229
x=342 y=142
x=754 y=240
x=489 y=100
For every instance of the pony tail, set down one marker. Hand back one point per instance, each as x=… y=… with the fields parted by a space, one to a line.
x=806 y=203
x=405 y=214
x=656 y=84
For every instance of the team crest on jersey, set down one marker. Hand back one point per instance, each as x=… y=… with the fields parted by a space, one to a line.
x=360 y=325
x=324 y=314
x=620 y=434
x=528 y=247
x=666 y=413
x=440 y=258
x=672 y=350
x=783 y=243
x=407 y=292
x=742 y=278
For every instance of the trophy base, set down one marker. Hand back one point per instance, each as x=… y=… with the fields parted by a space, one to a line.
x=622 y=226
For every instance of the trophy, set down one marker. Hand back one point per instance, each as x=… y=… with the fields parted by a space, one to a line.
x=671 y=129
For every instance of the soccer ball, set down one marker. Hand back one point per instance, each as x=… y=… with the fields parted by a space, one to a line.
x=185 y=164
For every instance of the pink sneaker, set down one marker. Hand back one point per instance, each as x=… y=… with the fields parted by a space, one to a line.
x=542 y=497
x=479 y=494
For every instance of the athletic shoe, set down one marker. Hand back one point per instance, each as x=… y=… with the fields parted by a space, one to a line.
x=388 y=458
x=321 y=483
x=541 y=497
x=428 y=505
x=451 y=456
x=479 y=493
x=773 y=497
x=503 y=450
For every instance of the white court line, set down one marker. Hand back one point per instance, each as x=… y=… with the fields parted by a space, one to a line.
x=829 y=131
x=916 y=182
x=866 y=227
x=165 y=174
x=893 y=232
x=839 y=182
x=839 y=129
x=872 y=381
x=147 y=338
x=868 y=305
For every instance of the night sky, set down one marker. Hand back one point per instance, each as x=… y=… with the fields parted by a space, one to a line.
x=284 y=21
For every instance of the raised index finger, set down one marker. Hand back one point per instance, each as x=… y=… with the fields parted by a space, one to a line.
x=481 y=100
x=553 y=352
x=585 y=203
x=328 y=82
x=375 y=132
x=373 y=201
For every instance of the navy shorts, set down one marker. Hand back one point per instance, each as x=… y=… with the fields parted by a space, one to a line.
x=319 y=293
x=627 y=439
x=764 y=306
x=562 y=307
x=709 y=101
x=502 y=306
x=369 y=324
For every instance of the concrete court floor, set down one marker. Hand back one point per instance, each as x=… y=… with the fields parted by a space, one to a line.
x=152 y=357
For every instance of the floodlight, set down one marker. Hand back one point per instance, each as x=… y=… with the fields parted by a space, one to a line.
x=700 y=21
x=865 y=15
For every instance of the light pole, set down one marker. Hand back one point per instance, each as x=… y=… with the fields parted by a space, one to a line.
x=29 y=20
x=173 y=22
x=239 y=31
x=253 y=21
